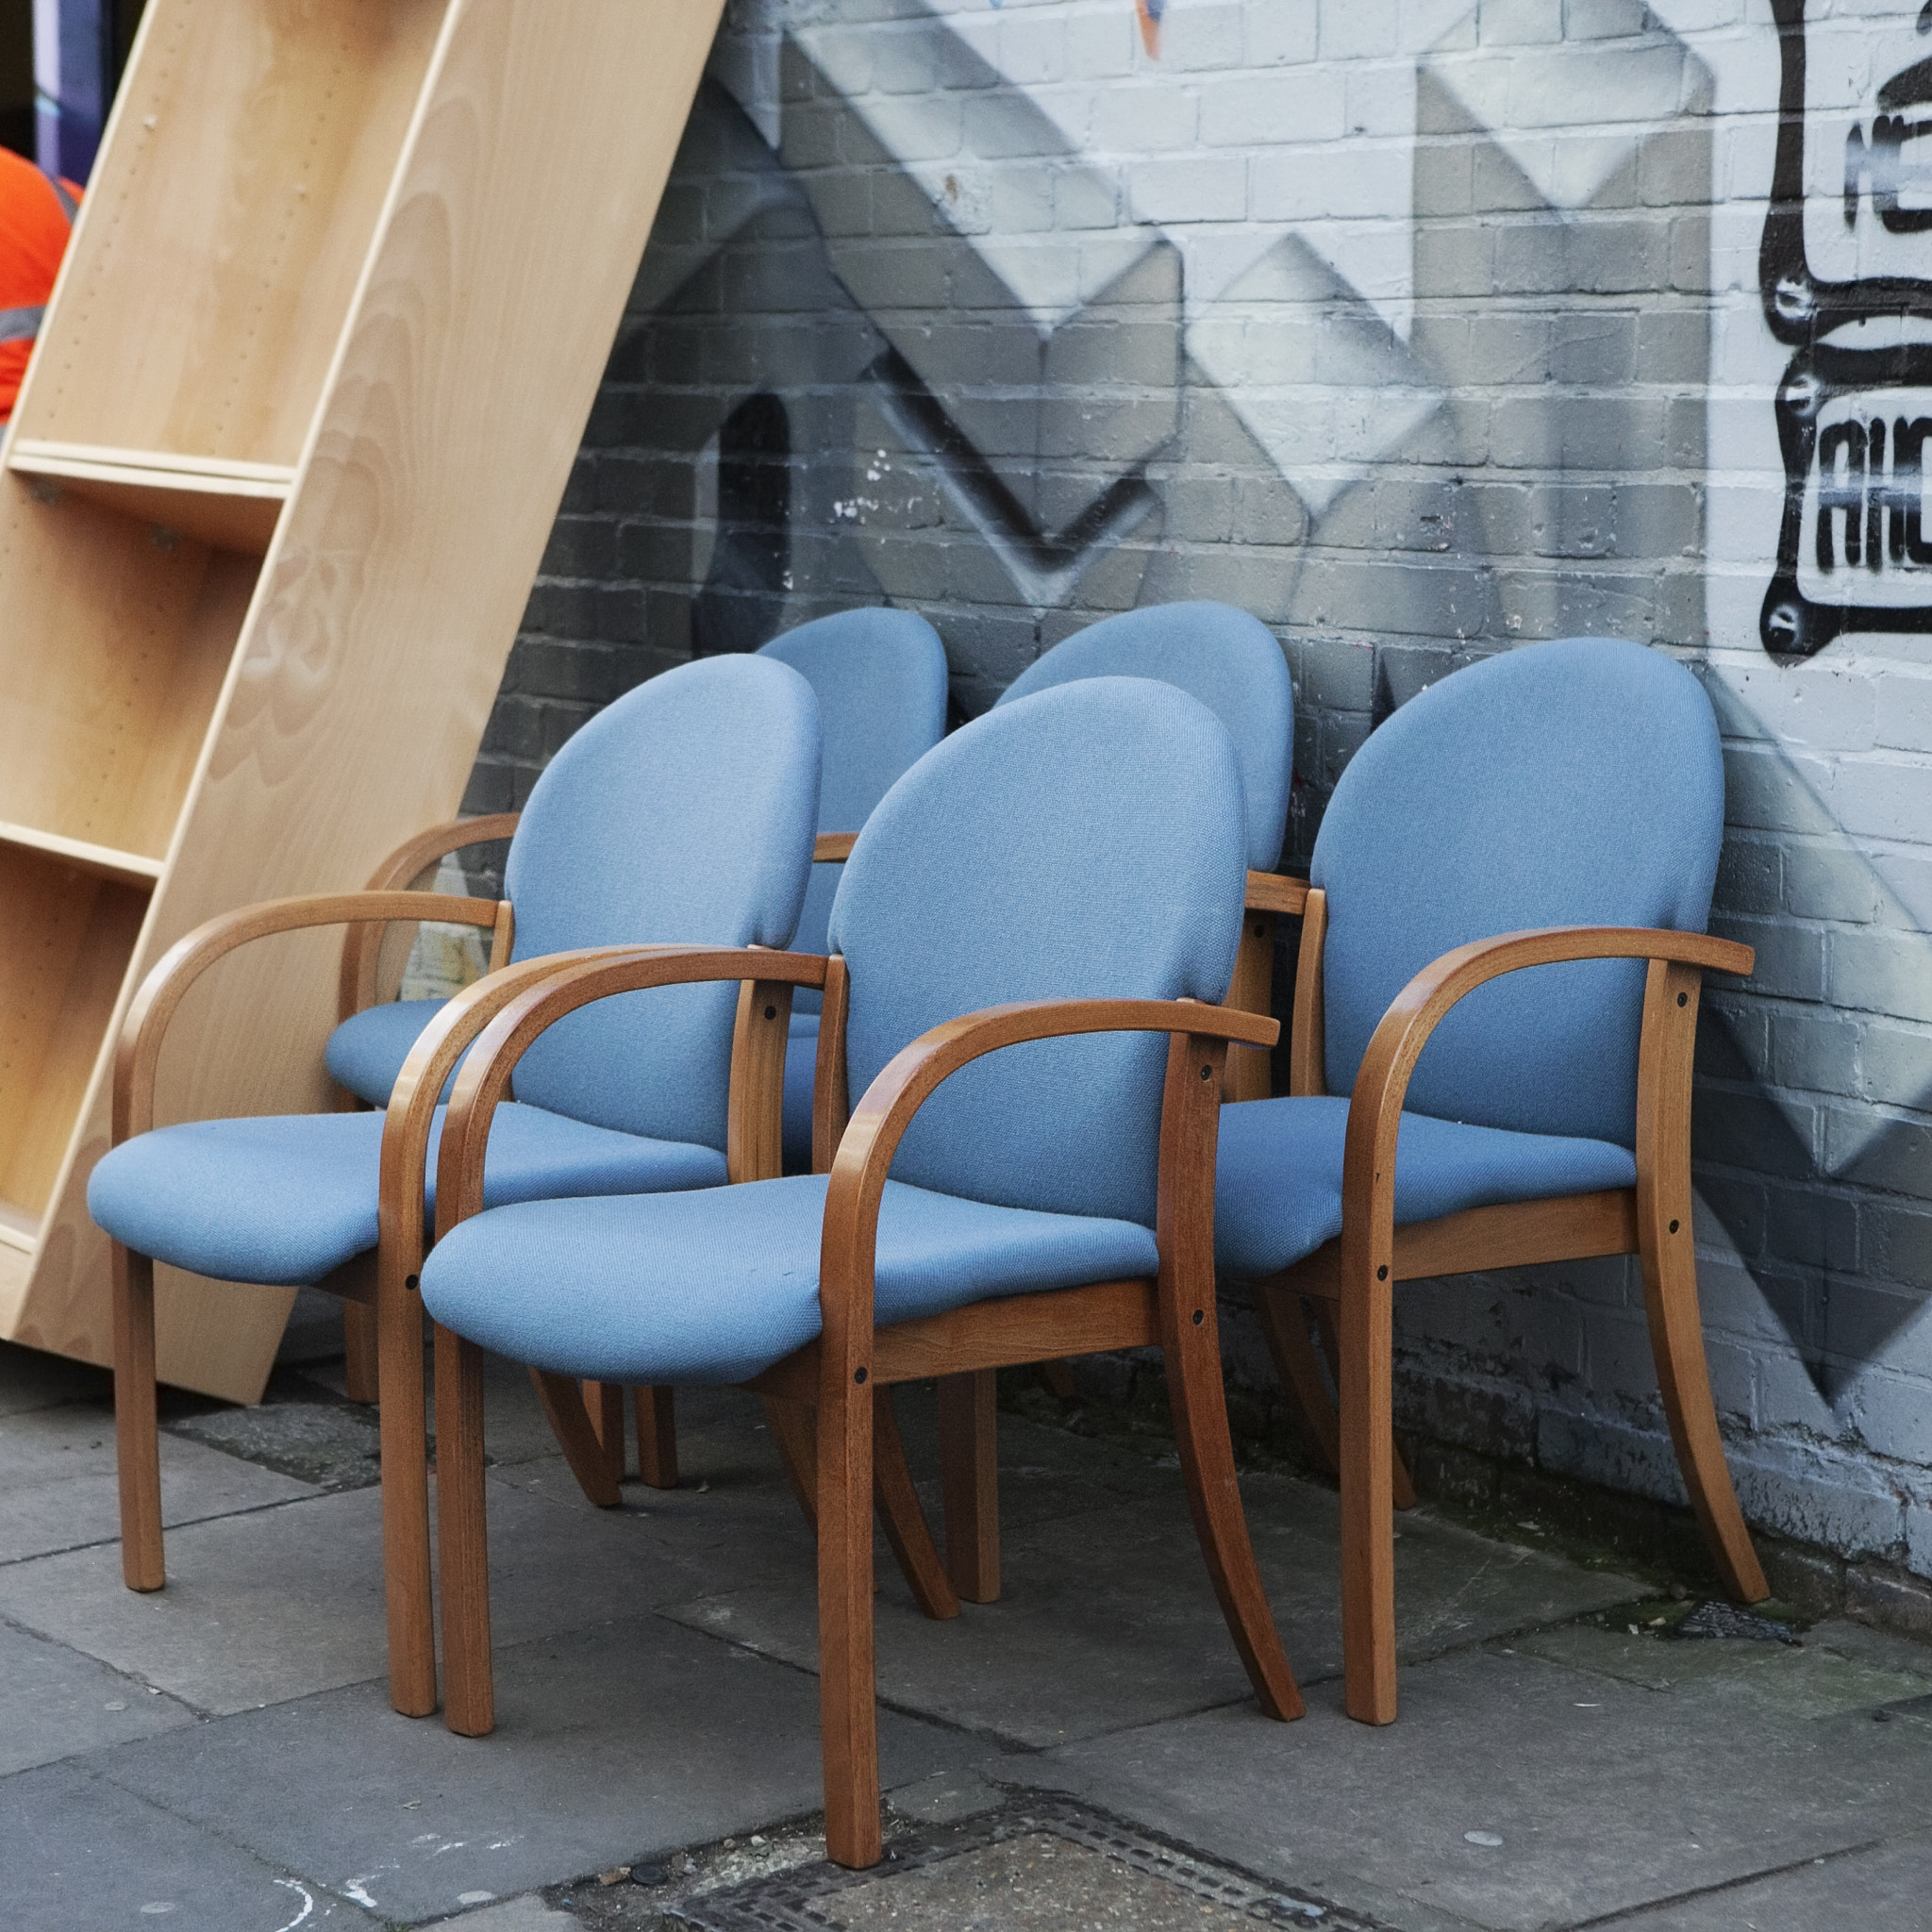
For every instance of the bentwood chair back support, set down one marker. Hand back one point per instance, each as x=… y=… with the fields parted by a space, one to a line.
x=1495 y=1010
x=685 y=809
x=1030 y=909
x=880 y=678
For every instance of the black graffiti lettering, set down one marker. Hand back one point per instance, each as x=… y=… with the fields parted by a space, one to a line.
x=1874 y=495
x=1908 y=486
x=1856 y=171
x=1882 y=161
x=1847 y=496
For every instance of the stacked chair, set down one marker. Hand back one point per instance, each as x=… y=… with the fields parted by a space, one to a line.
x=880 y=676
x=1029 y=944
x=682 y=813
x=1495 y=1010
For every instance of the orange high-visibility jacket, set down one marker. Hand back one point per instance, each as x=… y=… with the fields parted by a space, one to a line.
x=36 y=217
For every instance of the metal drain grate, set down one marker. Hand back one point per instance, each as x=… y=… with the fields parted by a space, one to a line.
x=1037 y=1865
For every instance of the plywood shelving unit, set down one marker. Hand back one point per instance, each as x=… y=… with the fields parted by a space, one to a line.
x=301 y=415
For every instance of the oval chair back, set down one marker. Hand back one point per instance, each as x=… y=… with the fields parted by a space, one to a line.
x=682 y=813
x=1086 y=842
x=1225 y=658
x=880 y=677
x=1574 y=783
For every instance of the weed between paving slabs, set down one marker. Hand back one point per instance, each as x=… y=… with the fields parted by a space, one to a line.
x=1034 y=1865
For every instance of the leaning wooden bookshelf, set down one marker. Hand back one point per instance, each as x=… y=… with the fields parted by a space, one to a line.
x=302 y=411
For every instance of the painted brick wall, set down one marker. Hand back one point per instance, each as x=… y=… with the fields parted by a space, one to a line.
x=1420 y=328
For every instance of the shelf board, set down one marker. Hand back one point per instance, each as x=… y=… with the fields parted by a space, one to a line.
x=18 y=1228
x=231 y=505
x=124 y=868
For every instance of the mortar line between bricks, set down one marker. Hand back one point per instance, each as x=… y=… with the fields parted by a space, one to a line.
x=1624 y=1914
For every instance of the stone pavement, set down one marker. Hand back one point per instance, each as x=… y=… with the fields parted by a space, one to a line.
x=1083 y=1754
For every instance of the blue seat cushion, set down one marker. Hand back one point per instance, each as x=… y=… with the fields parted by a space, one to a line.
x=285 y=1199
x=367 y=1051
x=1277 y=1183
x=801 y=1076
x=715 y=1287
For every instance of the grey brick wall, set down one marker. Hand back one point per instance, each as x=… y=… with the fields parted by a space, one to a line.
x=1419 y=330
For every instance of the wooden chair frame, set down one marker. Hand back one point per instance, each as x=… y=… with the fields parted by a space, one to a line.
x=838 y=1375
x=383 y=1280
x=1355 y=1274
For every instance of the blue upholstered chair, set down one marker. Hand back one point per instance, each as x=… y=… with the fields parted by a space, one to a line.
x=1231 y=662
x=1495 y=1007
x=1071 y=866
x=880 y=676
x=682 y=813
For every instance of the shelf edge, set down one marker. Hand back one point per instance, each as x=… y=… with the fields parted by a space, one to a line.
x=124 y=868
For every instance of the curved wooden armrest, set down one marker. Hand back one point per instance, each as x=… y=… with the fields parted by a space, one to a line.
x=361 y=944
x=414 y=855
x=138 y=1048
x=1375 y=1110
x=909 y=1079
x=412 y=1101
x=833 y=848
x=1268 y=892
x=568 y=985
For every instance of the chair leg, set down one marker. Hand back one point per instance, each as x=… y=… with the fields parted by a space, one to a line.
x=1676 y=1341
x=848 y=1716
x=657 y=1408
x=1189 y=1342
x=604 y=1403
x=570 y=1422
x=794 y=1433
x=361 y=1350
x=463 y=1537
x=1057 y=1378
x=137 y=1426
x=402 y=1421
x=1400 y=1480
x=1368 y=1514
x=901 y=1517
x=1283 y=1316
x=969 y=1467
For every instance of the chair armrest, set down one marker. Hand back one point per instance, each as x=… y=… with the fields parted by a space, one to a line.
x=138 y=1050
x=1268 y=892
x=413 y=854
x=1375 y=1110
x=412 y=1102
x=567 y=984
x=361 y=944
x=913 y=1075
x=833 y=848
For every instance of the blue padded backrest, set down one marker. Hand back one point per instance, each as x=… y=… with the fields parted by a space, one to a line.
x=1084 y=842
x=1576 y=783
x=682 y=813
x=880 y=676
x=1228 y=660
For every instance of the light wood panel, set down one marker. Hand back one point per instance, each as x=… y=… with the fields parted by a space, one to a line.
x=379 y=249
x=116 y=644
x=231 y=506
x=230 y=212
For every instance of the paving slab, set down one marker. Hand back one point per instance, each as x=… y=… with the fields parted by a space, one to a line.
x=60 y=1704
x=283 y=1602
x=60 y=1491
x=1840 y=1666
x=613 y=1744
x=1108 y=1619
x=82 y=1854
x=1586 y=1797
x=1885 y=1889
